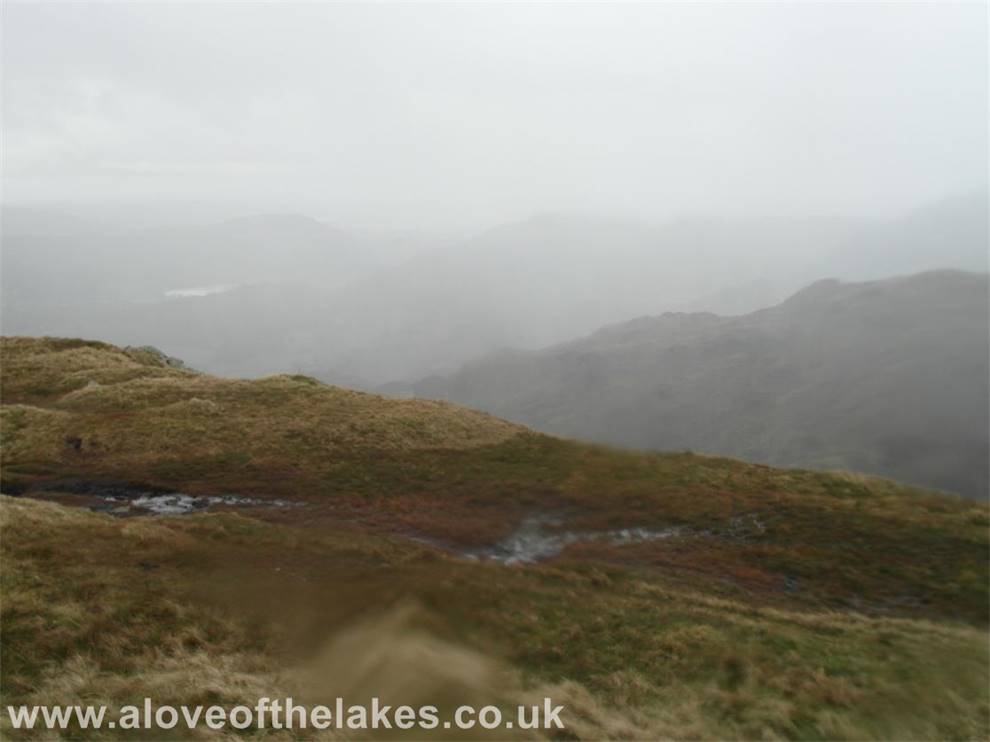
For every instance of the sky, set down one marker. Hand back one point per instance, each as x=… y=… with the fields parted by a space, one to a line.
x=443 y=116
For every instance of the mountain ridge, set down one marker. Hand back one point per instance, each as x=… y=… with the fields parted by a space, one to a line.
x=525 y=284
x=728 y=381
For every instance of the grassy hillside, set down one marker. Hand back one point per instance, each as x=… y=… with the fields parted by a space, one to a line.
x=225 y=609
x=789 y=604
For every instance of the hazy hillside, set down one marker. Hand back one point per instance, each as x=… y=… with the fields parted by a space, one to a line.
x=53 y=260
x=887 y=377
x=950 y=233
x=324 y=310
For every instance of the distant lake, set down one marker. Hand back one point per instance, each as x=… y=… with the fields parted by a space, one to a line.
x=200 y=290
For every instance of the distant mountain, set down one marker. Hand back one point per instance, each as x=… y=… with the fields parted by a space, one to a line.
x=46 y=222
x=887 y=377
x=310 y=298
x=951 y=232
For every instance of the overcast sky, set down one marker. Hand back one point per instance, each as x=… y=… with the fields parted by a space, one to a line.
x=453 y=115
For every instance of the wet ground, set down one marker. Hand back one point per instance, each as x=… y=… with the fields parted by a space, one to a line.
x=130 y=500
x=539 y=537
x=177 y=503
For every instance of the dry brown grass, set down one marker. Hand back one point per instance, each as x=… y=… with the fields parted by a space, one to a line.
x=224 y=609
x=94 y=411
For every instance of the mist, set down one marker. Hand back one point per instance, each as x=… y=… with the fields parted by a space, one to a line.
x=381 y=196
x=465 y=116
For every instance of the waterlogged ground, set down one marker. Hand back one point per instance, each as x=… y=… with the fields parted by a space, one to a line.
x=177 y=503
x=124 y=500
x=539 y=537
